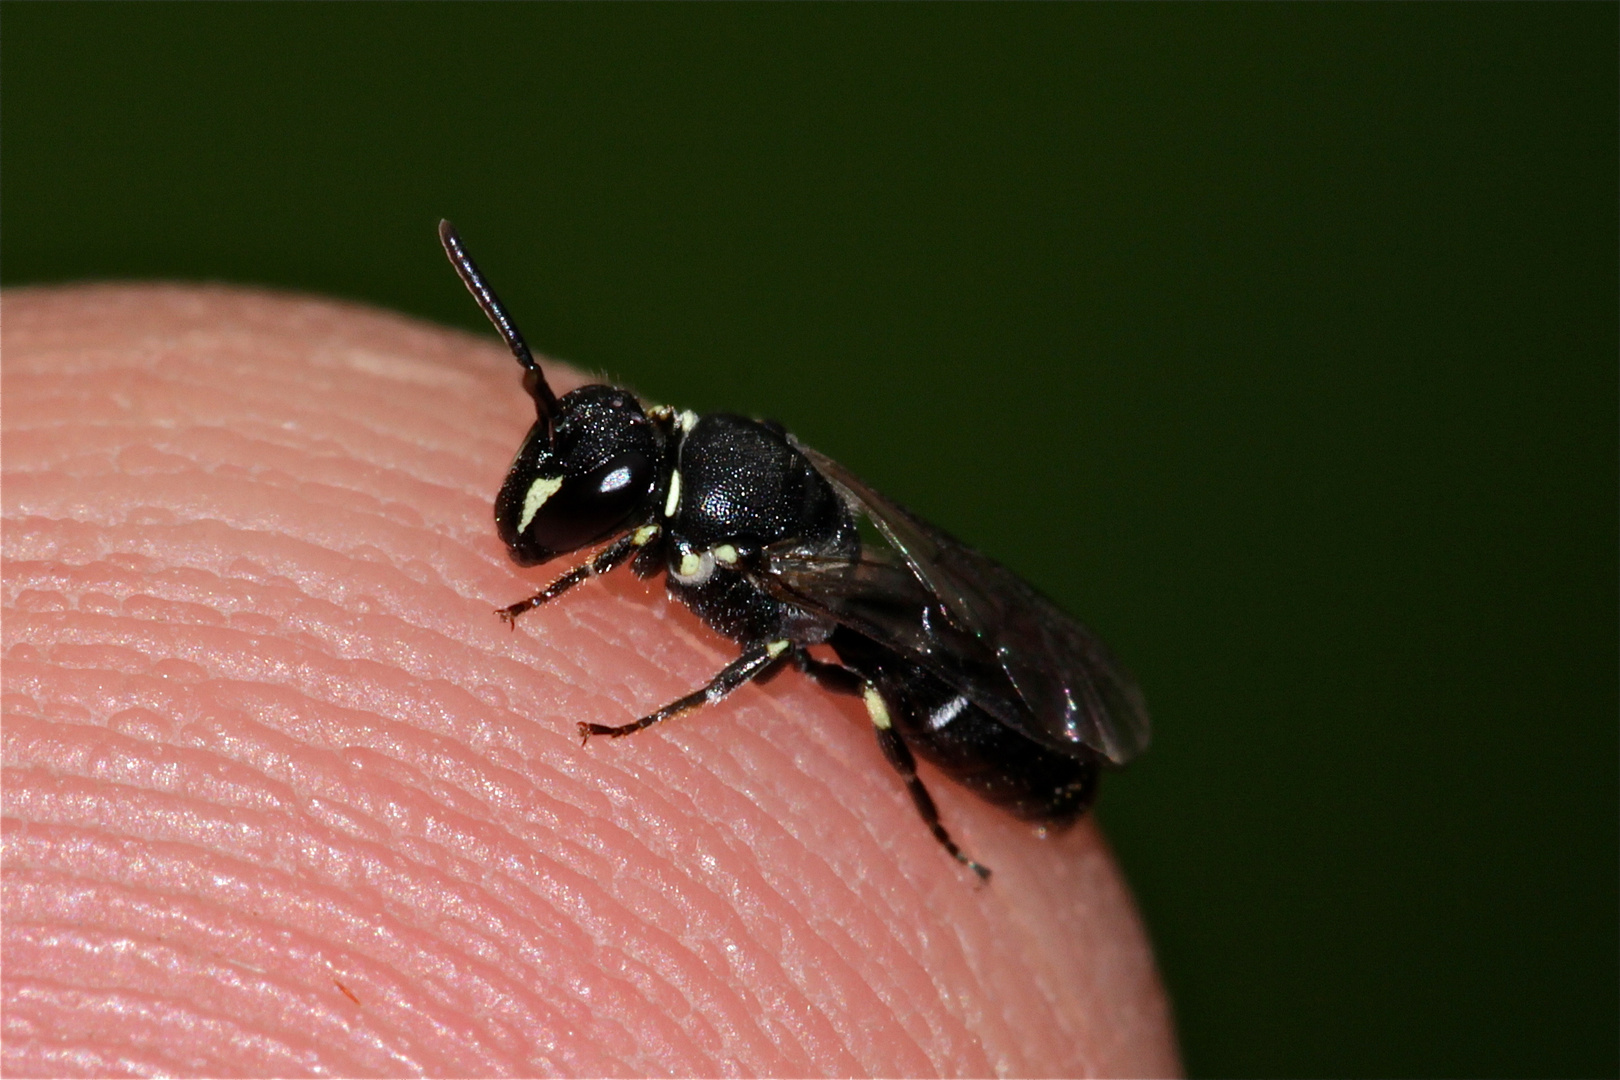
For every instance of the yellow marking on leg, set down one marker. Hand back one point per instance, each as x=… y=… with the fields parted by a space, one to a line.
x=694 y=567
x=645 y=535
x=777 y=648
x=876 y=707
x=542 y=489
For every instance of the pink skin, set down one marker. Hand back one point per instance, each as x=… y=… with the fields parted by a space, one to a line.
x=283 y=795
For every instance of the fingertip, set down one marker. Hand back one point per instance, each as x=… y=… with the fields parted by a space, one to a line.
x=292 y=498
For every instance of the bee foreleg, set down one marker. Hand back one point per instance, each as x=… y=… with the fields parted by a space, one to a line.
x=603 y=561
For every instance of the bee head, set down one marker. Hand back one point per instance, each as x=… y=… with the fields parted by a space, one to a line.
x=589 y=464
x=584 y=472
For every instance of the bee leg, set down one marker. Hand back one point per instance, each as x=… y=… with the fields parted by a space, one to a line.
x=845 y=680
x=749 y=666
x=835 y=677
x=899 y=755
x=603 y=561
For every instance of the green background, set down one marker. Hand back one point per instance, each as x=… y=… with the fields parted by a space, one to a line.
x=1278 y=342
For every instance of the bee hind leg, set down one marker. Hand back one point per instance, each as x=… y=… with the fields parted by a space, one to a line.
x=846 y=680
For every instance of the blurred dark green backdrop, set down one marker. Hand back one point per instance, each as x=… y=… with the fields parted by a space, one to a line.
x=1278 y=342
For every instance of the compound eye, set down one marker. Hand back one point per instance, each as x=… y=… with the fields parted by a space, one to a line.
x=590 y=506
x=625 y=477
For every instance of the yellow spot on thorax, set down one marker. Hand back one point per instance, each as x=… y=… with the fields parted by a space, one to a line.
x=672 y=503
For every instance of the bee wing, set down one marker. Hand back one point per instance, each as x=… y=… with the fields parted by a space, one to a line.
x=1074 y=691
x=879 y=597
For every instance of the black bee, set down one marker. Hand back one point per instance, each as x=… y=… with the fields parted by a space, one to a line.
x=954 y=656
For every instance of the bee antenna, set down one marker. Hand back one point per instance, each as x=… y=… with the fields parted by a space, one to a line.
x=534 y=380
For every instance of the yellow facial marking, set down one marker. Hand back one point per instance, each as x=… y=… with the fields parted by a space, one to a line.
x=672 y=503
x=691 y=565
x=725 y=555
x=876 y=707
x=687 y=419
x=539 y=491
